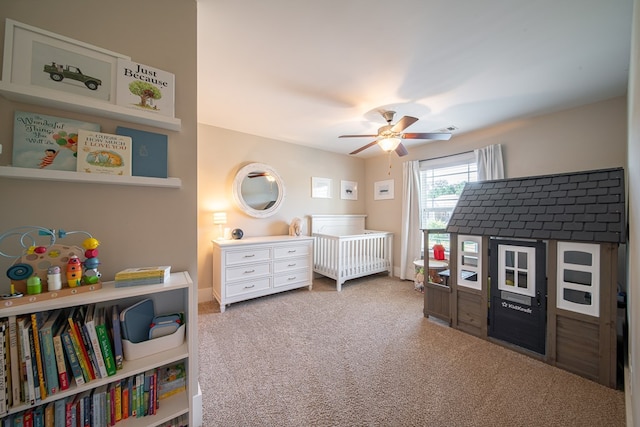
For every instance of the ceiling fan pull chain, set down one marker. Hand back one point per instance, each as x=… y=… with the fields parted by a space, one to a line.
x=389 y=173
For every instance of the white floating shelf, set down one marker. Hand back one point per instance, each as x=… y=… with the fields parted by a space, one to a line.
x=80 y=104
x=92 y=178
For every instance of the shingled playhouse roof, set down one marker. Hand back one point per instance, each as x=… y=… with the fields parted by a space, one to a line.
x=579 y=206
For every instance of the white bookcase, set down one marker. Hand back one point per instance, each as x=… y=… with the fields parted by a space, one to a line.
x=175 y=296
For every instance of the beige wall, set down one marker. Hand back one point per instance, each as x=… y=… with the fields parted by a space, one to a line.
x=222 y=152
x=585 y=138
x=137 y=226
x=633 y=253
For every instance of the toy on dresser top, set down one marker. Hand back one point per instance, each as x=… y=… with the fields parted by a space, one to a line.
x=49 y=268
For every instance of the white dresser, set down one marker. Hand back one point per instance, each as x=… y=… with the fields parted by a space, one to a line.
x=259 y=266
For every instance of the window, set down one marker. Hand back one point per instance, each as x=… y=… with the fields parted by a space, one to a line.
x=441 y=183
x=579 y=278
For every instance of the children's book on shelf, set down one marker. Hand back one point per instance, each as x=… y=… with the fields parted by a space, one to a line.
x=137 y=273
x=16 y=398
x=149 y=154
x=4 y=366
x=92 y=335
x=113 y=321
x=48 y=351
x=46 y=142
x=104 y=341
x=142 y=276
x=104 y=153
x=37 y=320
x=145 y=88
x=64 y=376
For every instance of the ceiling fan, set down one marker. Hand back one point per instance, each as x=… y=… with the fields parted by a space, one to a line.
x=389 y=136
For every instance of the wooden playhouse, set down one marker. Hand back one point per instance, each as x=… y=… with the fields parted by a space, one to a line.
x=533 y=266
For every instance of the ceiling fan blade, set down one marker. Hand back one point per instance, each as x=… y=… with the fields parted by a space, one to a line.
x=401 y=150
x=403 y=123
x=358 y=136
x=442 y=136
x=364 y=147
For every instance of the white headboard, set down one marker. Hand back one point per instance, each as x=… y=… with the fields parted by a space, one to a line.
x=338 y=225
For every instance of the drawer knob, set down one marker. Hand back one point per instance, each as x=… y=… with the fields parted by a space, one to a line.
x=249 y=287
x=249 y=256
x=249 y=271
x=292 y=265
x=292 y=251
x=292 y=278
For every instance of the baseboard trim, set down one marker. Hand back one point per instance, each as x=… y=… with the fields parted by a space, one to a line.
x=205 y=295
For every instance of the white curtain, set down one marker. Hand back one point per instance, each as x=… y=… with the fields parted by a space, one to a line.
x=410 y=236
x=489 y=160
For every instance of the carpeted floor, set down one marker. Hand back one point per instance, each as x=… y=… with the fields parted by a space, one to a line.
x=368 y=357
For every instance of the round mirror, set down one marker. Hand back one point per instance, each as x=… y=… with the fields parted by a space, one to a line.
x=258 y=190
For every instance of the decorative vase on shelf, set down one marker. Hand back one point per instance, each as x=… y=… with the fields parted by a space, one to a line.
x=438 y=252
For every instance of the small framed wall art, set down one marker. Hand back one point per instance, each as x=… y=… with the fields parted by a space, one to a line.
x=348 y=190
x=39 y=58
x=383 y=190
x=320 y=188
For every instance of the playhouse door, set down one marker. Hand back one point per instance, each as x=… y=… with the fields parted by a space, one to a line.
x=518 y=293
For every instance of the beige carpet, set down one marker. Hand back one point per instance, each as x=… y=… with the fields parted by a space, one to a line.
x=368 y=357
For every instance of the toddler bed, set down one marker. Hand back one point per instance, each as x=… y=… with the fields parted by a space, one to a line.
x=344 y=250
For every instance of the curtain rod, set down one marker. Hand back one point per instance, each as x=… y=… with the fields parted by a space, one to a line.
x=448 y=155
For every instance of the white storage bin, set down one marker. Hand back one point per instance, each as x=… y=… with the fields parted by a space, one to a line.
x=133 y=351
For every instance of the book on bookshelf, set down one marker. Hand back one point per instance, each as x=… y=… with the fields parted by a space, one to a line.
x=171 y=379
x=38 y=416
x=149 y=153
x=48 y=351
x=134 y=273
x=145 y=88
x=104 y=341
x=116 y=336
x=104 y=153
x=4 y=366
x=74 y=318
x=90 y=327
x=46 y=142
x=58 y=347
x=49 y=415
x=72 y=356
x=34 y=367
x=37 y=320
x=16 y=397
x=74 y=370
x=60 y=412
x=24 y=325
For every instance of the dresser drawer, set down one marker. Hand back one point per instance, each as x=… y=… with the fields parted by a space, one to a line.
x=290 y=264
x=248 y=255
x=242 y=272
x=290 y=278
x=248 y=286
x=291 y=251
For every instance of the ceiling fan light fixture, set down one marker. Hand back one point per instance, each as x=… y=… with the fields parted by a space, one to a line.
x=389 y=144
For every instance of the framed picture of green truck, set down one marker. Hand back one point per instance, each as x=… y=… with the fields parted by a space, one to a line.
x=51 y=62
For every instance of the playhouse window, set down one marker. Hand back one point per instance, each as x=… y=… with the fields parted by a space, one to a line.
x=515 y=274
x=579 y=278
x=469 y=266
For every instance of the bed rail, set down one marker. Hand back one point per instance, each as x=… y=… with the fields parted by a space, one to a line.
x=344 y=258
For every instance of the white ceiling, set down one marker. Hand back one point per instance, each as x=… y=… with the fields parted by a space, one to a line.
x=305 y=71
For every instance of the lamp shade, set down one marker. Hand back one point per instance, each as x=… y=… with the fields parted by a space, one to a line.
x=389 y=144
x=219 y=218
